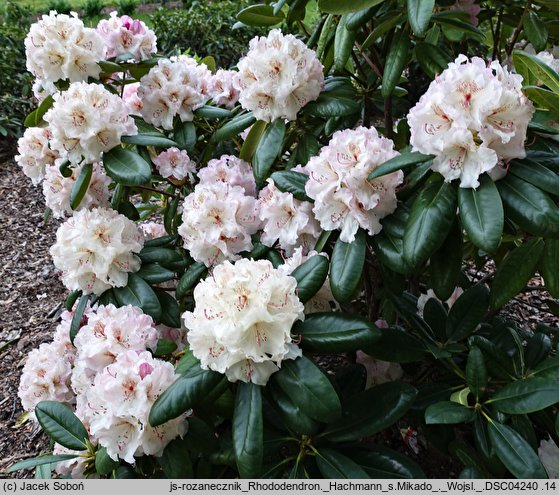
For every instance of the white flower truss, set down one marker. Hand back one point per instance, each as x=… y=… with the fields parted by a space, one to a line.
x=175 y=164
x=472 y=118
x=224 y=88
x=95 y=249
x=218 y=221
x=123 y=35
x=34 y=153
x=278 y=76
x=231 y=170
x=241 y=324
x=59 y=47
x=344 y=197
x=87 y=120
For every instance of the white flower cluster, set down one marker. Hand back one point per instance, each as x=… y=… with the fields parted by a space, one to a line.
x=344 y=197
x=132 y=100
x=126 y=35
x=176 y=86
x=94 y=250
x=472 y=117
x=87 y=120
x=34 y=153
x=231 y=170
x=241 y=324
x=175 y=164
x=59 y=47
x=57 y=190
x=224 y=88
x=218 y=221
x=287 y=220
x=278 y=76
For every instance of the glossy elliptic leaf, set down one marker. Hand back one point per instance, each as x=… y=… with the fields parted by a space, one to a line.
x=35 y=118
x=543 y=98
x=251 y=141
x=549 y=266
x=535 y=30
x=534 y=71
x=346 y=266
x=538 y=348
x=77 y=317
x=431 y=58
x=336 y=332
x=371 y=411
x=190 y=278
x=170 y=312
x=161 y=255
x=138 y=293
x=260 y=15
x=268 y=149
x=526 y=396
x=397 y=346
x=333 y=465
x=327 y=106
x=467 y=313
x=481 y=214
x=80 y=187
x=126 y=167
x=445 y=264
x=248 y=433
x=395 y=62
x=514 y=272
x=185 y=136
x=310 y=276
x=360 y=18
x=537 y=175
x=389 y=243
x=154 y=273
x=447 y=412
x=103 y=463
x=61 y=424
x=430 y=219
x=233 y=128
x=419 y=15
x=515 y=452
x=293 y=417
x=39 y=461
x=152 y=139
x=497 y=361
x=345 y=7
x=343 y=43
x=190 y=389
x=292 y=182
x=209 y=112
x=399 y=162
x=175 y=461
x=383 y=463
x=476 y=372
x=309 y=389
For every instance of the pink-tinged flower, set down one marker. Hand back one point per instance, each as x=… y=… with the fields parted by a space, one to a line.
x=126 y=35
x=470 y=7
x=224 y=88
x=278 y=76
x=218 y=222
x=132 y=100
x=472 y=118
x=230 y=170
x=175 y=164
x=86 y=121
x=287 y=220
x=152 y=230
x=59 y=47
x=344 y=197
x=95 y=249
x=241 y=324
x=35 y=154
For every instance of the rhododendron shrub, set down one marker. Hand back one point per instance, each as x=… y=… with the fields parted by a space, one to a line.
x=310 y=249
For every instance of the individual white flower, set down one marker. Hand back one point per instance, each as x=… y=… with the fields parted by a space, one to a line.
x=224 y=88
x=472 y=118
x=287 y=220
x=95 y=249
x=378 y=371
x=126 y=35
x=175 y=164
x=423 y=298
x=119 y=402
x=230 y=170
x=42 y=89
x=59 y=47
x=218 y=221
x=173 y=87
x=241 y=323
x=87 y=120
x=344 y=197
x=72 y=468
x=131 y=99
x=57 y=190
x=550 y=58
x=323 y=300
x=278 y=76
x=548 y=452
x=34 y=153
x=152 y=230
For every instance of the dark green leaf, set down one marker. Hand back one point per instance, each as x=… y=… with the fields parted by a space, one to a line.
x=383 y=463
x=514 y=272
x=103 y=463
x=476 y=373
x=138 y=293
x=497 y=361
x=78 y=316
x=399 y=162
x=535 y=30
x=431 y=58
x=538 y=348
x=543 y=98
x=164 y=347
x=190 y=278
x=161 y=255
x=153 y=139
x=293 y=417
x=343 y=43
x=291 y=182
x=71 y=299
x=154 y=273
x=447 y=412
x=175 y=461
x=345 y=7
x=419 y=15
x=185 y=136
x=209 y=112
x=248 y=433
x=268 y=149
x=191 y=388
x=39 y=461
x=61 y=424
x=126 y=167
x=333 y=465
x=201 y=438
x=515 y=452
x=398 y=346
x=309 y=389
x=446 y=263
x=481 y=213
x=395 y=62
x=526 y=396
x=389 y=244
x=80 y=187
x=467 y=313
x=332 y=106
x=310 y=276
x=537 y=175
x=170 y=312
x=346 y=266
x=431 y=217
x=35 y=118
x=549 y=266
x=534 y=70
x=251 y=141
x=360 y=18
x=233 y=128
x=372 y=411
x=260 y=15
x=336 y=332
